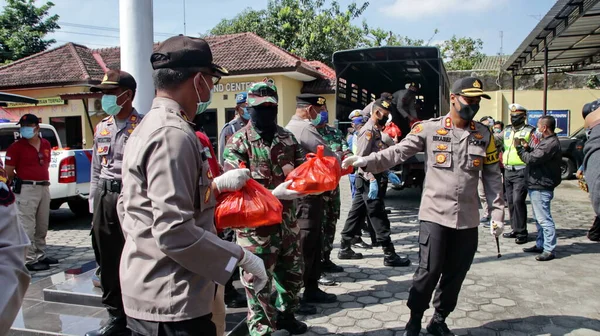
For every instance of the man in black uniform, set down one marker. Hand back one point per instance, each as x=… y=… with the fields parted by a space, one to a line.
x=370 y=192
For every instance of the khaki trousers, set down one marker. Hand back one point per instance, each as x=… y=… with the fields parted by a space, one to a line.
x=33 y=213
x=218 y=311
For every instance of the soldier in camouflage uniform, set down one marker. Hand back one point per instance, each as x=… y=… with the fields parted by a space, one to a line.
x=332 y=202
x=271 y=152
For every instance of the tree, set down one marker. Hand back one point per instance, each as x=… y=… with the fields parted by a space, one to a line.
x=306 y=28
x=377 y=37
x=461 y=53
x=23 y=27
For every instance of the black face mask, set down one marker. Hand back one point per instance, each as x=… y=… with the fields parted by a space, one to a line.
x=517 y=119
x=382 y=122
x=264 y=120
x=467 y=111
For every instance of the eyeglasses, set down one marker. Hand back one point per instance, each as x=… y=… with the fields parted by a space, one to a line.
x=41 y=158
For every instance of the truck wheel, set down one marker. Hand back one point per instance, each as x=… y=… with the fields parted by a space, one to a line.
x=567 y=168
x=79 y=207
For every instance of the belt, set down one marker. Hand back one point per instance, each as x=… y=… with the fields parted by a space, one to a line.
x=40 y=183
x=514 y=168
x=111 y=185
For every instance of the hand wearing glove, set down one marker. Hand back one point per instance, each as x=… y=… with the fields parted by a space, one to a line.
x=283 y=193
x=232 y=180
x=373 y=189
x=355 y=161
x=394 y=178
x=255 y=266
x=496 y=228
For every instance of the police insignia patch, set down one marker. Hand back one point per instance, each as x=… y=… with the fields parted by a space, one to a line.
x=442 y=147
x=513 y=108
x=209 y=174
x=133 y=118
x=418 y=128
x=207 y=195
x=368 y=135
x=472 y=126
x=442 y=131
x=440 y=158
x=448 y=122
x=476 y=163
x=130 y=130
x=104 y=132
x=478 y=136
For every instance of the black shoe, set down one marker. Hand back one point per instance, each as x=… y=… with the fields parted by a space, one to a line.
x=511 y=234
x=324 y=280
x=49 y=261
x=288 y=322
x=521 y=240
x=545 y=256
x=37 y=266
x=359 y=243
x=116 y=326
x=391 y=259
x=438 y=327
x=306 y=309
x=234 y=299
x=366 y=233
x=318 y=296
x=413 y=327
x=346 y=252
x=533 y=249
x=328 y=266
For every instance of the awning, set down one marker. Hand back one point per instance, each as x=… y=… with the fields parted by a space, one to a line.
x=571 y=30
x=14 y=98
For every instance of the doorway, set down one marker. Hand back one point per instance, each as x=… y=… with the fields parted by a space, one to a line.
x=69 y=131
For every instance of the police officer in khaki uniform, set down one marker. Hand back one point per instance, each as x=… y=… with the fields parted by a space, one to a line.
x=310 y=208
x=457 y=150
x=172 y=257
x=368 y=200
x=110 y=138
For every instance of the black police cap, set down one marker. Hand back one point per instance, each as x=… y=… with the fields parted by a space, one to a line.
x=384 y=104
x=469 y=87
x=186 y=52
x=590 y=107
x=310 y=99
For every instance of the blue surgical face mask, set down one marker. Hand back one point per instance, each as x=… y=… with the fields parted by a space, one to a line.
x=27 y=132
x=246 y=114
x=109 y=104
x=324 y=118
x=497 y=130
x=202 y=106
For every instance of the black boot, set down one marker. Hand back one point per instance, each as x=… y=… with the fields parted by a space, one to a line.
x=359 y=243
x=413 y=327
x=329 y=266
x=438 y=327
x=288 y=322
x=324 y=280
x=306 y=308
x=116 y=326
x=316 y=295
x=346 y=251
x=390 y=257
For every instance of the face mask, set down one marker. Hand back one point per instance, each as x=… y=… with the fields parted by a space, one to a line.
x=497 y=130
x=202 y=106
x=264 y=119
x=246 y=114
x=317 y=120
x=324 y=118
x=382 y=121
x=27 y=132
x=538 y=134
x=467 y=112
x=109 y=104
x=517 y=119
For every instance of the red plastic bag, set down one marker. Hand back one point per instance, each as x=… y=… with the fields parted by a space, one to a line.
x=318 y=174
x=392 y=130
x=252 y=206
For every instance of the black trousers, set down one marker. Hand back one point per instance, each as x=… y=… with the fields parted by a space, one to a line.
x=108 y=242
x=310 y=213
x=516 y=194
x=200 y=326
x=444 y=253
x=594 y=232
x=373 y=209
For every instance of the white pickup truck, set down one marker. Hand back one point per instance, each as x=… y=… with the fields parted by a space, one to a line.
x=69 y=169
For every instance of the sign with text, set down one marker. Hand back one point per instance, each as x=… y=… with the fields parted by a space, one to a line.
x=562 y=119
x=41 y=102
x=237 y=86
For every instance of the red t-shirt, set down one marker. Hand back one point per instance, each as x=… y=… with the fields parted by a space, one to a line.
x=212 y=159
x=29 y=164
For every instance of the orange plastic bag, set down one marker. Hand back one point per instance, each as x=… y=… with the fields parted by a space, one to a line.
x=318 y=174
x=392 y=130
x=252 y=206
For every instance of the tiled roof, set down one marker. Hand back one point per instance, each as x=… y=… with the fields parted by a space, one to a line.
x=491 y=63
x=321 y=85
x=244 y=53
x=67 y=64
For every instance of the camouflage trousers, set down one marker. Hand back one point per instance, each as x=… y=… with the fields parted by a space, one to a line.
x=331 y=213
x=279 y=247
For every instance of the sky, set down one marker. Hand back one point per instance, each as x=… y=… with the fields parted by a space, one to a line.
x=95 y=22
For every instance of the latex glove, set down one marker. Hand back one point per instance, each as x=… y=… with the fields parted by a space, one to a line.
x=232 y=180
x=255 y=266
x=356 y=161
x=394 y=178
x=373 y=189
x=3 y=186
x=283 y=193
x=496 y=228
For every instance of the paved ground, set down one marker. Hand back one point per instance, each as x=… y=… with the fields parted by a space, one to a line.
x=513 y=295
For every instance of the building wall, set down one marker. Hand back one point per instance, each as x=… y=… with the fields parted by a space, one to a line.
x=572 y=100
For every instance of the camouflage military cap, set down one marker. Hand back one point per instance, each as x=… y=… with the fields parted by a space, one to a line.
x=262 y=93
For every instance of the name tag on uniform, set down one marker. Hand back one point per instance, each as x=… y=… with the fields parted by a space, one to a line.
x=476 y=142
x=103 y=146
x=441 y=138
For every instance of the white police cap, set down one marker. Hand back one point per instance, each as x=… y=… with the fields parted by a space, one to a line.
x=516 y=107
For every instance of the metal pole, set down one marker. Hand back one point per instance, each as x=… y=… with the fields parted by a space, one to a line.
x=513 y=86
x=545 y=107
x=136 y=34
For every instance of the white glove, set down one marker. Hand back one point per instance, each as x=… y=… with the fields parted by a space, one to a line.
x=356 y=161
x=255 y=266
x=283 y=193
x=3 y=186
x=232 y=180
x=496 y=228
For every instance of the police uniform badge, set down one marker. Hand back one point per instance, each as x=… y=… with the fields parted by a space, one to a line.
x=207 y=195
x=418 y=128
x=477 y=84
x=105 y=132
x=513 y=108
x=368 y=135
x=440 y=158
x=442 y=131
x=478 y=136
x=448 y=122
x=442 y=147
x=209 y=174
x=476 y=162
x=472 y=126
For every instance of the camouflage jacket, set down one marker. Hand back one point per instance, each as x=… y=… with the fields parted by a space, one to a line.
x=335 y=140
x=269 y=165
